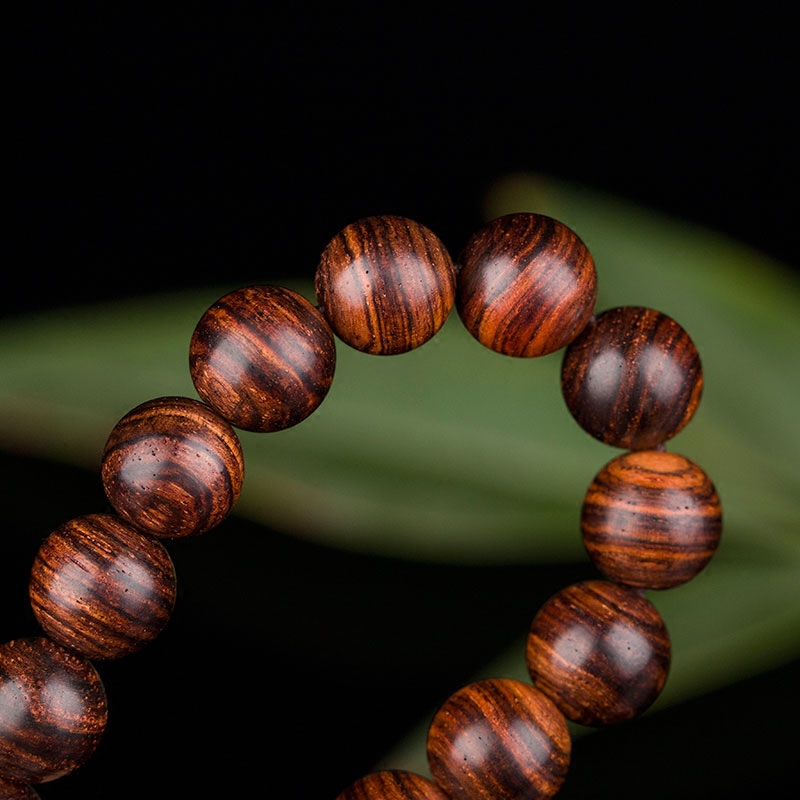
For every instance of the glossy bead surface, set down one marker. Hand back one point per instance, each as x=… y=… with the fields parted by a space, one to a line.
x=651 y=519
x=600 y=651
x=12 y=790
x=632 y=378
x=392 y=785
x=172 y=467
x=498 y=739
x=527 y=285
x=263 y=357
x=386 y=284
x=101 y=587
x=53 y=710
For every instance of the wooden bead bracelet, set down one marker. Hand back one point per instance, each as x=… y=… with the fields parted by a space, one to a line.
x=262 y=358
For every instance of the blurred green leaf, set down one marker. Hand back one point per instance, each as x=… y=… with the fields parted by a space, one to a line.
x=453 y=453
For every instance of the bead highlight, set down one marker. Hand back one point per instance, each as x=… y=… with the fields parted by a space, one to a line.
x=633 y=378
x=263 y=357
x=172 y=467
x=527 y=285
x=101 y=587
x=53 y=710
x=599 y=651
x=651 y=519
x=386 y=284
x=499 y=739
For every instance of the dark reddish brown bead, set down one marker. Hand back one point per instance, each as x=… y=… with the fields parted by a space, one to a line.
x=101 y=587
x=600 y=651
x=632 y=378
x=263 y=357
x=651 y=519
x=527 y=285
x=53 y=710
x=392 y=785
x=498 y=739
x=172 y=467
x=386 y=284
x=12 y=790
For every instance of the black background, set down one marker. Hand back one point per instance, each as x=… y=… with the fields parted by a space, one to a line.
x=152 y=151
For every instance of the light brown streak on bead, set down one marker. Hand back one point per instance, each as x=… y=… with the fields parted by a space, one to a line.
x=263 y=357
x=172 y=467
x=392 y=785
x=101 y=587
x=53 y=710
x=386 y=284
x=526 y=286
x=599 y=651
x=632 y=378
x=498 y=739
x=651 y=519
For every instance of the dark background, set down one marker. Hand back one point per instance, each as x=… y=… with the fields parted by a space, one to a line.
x=149 y=152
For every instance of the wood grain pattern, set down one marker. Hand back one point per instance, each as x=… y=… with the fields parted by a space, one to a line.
x=498 y=739
x=600 y=651
x=392 y=785
x=263 y=357
x=527 y=285
x=632 y=378
x=102 y=588
x=386 y=284
x=53 y=710
x=172 y=467
x=651 y=519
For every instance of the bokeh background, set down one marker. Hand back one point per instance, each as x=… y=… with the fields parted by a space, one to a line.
x=154 y=151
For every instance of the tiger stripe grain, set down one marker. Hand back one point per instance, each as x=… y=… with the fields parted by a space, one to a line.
x=632 y=378
x=527 y=285
x=600 y=651
x=263 y=357
x=101 y=587
x=172 y=467
x=651 y=519
x=498 y=739
x=385 y=284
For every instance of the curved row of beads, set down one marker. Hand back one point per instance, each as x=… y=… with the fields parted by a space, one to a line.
x=262 y=358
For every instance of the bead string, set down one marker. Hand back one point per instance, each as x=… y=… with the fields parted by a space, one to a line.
x=262 y=358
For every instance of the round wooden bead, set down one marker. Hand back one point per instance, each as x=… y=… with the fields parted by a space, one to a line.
x=102 y=588
x=263 y=357
x=53 y=710
x=651 y=519
x=498 y=739
x=386 y=284
x=392 y=785
x=172 y=467
x=12 y=790
x=632 y=378
x=600 y=651
x=527 y=285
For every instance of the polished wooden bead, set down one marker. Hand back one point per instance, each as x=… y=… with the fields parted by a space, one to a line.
x=392 y=785
x=101 y=587
x=527 y=285
x=651 y=519
x=53 y=710
x=12 y=790
x=173 y=467
x=386 y=284
x=263 y=357
x=600 y=651
x=498 y=739
x=632 y=378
